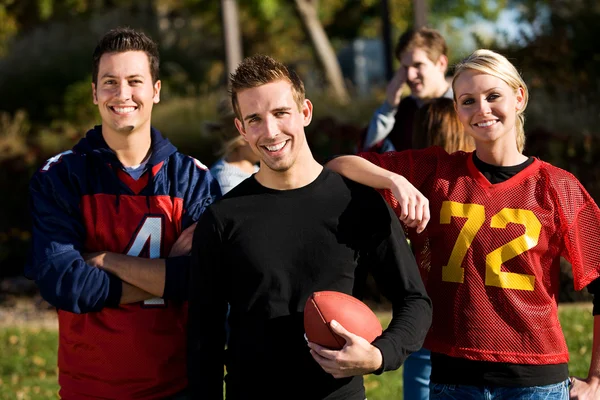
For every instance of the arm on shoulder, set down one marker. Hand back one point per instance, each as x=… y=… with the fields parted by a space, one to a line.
x=412 y=204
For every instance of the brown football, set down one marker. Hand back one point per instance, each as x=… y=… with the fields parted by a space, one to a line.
x=351 y=313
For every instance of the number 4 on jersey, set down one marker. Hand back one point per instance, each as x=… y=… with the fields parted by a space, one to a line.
x=149 y=238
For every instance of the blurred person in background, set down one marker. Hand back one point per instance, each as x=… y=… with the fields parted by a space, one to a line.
x=438 y=123
x=423 y=56
x=237 y=161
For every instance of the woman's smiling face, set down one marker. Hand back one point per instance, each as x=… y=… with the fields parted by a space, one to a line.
x=487 y=107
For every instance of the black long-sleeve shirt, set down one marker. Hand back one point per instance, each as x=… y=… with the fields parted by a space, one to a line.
x=265 y=251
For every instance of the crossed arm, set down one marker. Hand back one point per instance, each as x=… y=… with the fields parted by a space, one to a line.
x=143 y=278
x=133 y=294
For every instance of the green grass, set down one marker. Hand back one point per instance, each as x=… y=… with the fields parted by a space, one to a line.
x=28 y=359
x=28 y=363
x=577 y=322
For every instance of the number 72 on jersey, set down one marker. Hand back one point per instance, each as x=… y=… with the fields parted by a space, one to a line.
x=494 y=276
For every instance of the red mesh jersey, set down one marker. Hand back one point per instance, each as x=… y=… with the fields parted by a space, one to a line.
x=119 y=353
x=490 y=254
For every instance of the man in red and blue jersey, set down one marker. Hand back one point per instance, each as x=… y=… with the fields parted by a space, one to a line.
x=111 y=240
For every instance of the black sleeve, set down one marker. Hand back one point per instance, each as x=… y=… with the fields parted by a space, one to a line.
x=177 y=273
x=594 y=289
x=396 y=273
x=207 y=311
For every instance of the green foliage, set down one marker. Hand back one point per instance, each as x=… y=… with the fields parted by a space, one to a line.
x=563 y=55
x=8 y=26
x=466 y=9
x=183 y=122
x=16 y=157
x=48 y=59
x=267 y=8
x=13 y=134
x=48 y=56
x=78 y=106
x=561 y=67
x=51 y=35
x=45 y=9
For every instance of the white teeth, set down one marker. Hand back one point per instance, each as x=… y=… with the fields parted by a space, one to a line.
x=486 y=124
x=276 y=147
x=124 y=109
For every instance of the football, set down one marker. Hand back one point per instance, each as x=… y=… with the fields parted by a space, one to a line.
x=351 y=313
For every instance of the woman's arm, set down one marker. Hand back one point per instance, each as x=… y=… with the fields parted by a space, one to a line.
x=414 y=207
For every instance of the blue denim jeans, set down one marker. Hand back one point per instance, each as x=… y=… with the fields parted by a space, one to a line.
x=556 y=391
x=415 y=375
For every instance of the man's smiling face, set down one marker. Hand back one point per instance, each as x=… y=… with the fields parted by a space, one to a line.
x=273 y=123
x=124 y=92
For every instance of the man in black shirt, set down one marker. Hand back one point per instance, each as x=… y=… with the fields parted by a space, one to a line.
x=291 y=229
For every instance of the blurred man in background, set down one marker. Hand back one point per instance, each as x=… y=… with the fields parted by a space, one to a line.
x=423 y=57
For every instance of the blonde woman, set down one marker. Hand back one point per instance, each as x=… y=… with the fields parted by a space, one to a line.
x=500 y=221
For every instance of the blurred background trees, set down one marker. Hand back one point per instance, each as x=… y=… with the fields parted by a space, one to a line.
x=45 y=64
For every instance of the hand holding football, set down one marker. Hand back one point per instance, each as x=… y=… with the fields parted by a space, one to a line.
x=354 y=315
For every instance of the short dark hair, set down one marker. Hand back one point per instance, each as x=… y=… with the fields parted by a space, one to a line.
x=120 y=40
x=429 y=40
x=259 y=70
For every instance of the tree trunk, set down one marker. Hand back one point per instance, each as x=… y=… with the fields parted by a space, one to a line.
x=386 y=38
x=232 y=36
x=419 y=13
x=307 y=12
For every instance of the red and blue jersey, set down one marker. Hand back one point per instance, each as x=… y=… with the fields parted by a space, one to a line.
x=82 y=201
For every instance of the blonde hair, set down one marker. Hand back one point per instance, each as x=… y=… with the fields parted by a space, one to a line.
x=494 y=64
x=437 y=124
